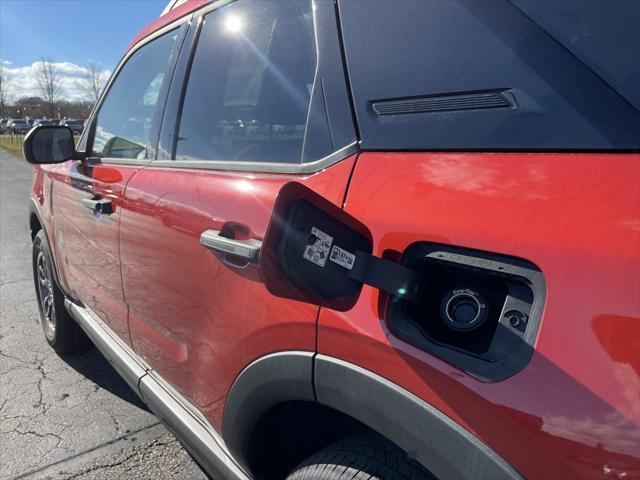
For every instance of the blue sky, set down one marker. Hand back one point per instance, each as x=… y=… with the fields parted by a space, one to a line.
x=72 y=33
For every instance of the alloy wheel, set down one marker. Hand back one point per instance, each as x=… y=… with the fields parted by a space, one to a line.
x=45 y=293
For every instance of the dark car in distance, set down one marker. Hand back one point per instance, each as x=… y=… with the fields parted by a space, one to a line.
x=76 y=126
x=17 y=126
x=43 y=122
x=361 y=240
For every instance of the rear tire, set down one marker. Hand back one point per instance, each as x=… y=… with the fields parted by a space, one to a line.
x=360 y=457
x=60 y=330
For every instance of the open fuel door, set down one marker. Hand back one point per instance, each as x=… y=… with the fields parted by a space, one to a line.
x=316 y=253
x=480 y=312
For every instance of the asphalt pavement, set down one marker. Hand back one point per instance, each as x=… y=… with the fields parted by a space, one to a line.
x=67 y=417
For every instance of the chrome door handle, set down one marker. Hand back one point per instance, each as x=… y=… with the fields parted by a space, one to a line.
x=101 y=206
x=246 y=249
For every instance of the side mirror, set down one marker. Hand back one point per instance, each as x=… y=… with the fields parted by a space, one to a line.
x=49 y=144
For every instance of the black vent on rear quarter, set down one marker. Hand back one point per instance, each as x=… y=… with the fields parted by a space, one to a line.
x=449 y=102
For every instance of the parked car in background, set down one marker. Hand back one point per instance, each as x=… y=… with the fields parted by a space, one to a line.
x=17 y=126
x=371 y=240
x=44 y=121
x=75 y=125
x=3 y=125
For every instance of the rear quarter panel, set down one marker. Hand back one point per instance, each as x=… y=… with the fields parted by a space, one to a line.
x=575 y=410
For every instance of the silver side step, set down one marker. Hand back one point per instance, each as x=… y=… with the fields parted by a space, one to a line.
x=189 y=425
x=196 y=434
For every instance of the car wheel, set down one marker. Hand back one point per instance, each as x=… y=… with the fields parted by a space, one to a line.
x=362 y=456
x=60 y=330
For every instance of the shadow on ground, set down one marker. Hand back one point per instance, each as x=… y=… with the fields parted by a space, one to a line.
x=92 y=365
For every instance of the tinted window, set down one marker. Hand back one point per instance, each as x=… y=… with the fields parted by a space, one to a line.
x=124 y=121
x=249 y=89
x=545 y=76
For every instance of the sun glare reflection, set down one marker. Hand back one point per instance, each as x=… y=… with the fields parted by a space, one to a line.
x=244 y=186
x=233 y=23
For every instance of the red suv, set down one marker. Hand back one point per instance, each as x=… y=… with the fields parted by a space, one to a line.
x=362 y=239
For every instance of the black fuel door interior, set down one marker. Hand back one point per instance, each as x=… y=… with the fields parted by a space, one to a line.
x=480 y=311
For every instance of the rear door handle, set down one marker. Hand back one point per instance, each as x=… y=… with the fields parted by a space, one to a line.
x=248 y=250
x=100 y=206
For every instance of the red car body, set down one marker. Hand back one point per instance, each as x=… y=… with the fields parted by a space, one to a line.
x=199 y=320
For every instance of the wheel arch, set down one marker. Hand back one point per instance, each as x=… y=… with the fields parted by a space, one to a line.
x=431 y=438
x=266 y=382
x=36 y=224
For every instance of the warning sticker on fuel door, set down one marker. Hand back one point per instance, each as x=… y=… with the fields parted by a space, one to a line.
x=342 y=257
x=317 y=250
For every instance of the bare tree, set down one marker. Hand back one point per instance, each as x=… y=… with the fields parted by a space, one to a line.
x=5 y=92
x=49 y=82
x=94 y=81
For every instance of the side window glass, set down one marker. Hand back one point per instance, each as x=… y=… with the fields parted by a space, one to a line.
x=124 y=121
x=249 y=88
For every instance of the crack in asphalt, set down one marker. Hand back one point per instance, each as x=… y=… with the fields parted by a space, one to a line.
x=103 y=466
x=83 y=453
x=82 y=473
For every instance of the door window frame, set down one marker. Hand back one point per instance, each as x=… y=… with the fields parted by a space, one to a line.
x=330 y=97
x=85 y=144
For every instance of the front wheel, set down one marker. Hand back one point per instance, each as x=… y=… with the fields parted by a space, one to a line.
x=60 y=330
x=363 y=456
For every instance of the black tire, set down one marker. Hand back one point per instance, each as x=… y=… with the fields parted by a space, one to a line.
x=361 y=457
x=60 y=330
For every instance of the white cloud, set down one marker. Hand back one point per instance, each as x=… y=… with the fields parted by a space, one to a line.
x=614 y=432
x=24 y=81
x=5 y=62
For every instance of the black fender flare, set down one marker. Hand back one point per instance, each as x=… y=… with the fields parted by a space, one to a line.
x=34 y=210
x=430 y=437
x=267 y=381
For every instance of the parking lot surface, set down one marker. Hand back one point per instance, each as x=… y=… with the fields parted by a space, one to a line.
x=70 y=417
